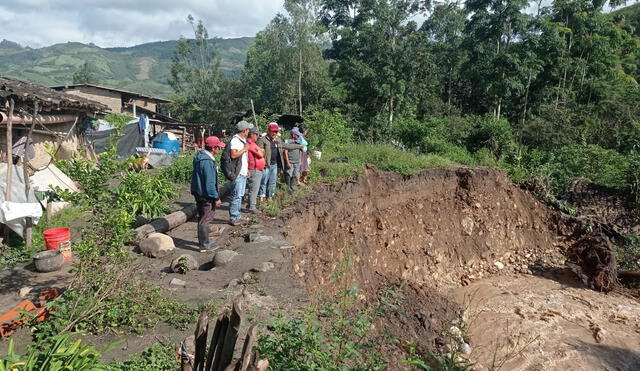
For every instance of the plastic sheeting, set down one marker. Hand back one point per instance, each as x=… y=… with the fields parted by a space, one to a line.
x=14 y=213
x=127 y=143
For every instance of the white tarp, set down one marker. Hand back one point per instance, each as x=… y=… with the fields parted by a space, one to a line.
x=52 y=177
x=13 y=213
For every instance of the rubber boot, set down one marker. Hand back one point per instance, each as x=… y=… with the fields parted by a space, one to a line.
x=203 y=239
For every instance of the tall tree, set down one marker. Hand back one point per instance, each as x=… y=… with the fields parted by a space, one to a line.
x=285 y=69
x=85 y=74
x=196 y=78
x=371 y=46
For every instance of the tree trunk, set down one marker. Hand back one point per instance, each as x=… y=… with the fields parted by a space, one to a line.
x=165 y=223
x=300 y=79
x=28 y=232
x=391 y=111
x=526 y=98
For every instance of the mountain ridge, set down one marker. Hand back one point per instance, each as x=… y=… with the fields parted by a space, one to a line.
x=143 y=68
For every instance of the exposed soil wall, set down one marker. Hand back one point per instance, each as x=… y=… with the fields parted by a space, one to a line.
x=442 y=227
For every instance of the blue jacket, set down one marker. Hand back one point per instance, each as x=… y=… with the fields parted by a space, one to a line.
x=204 y=179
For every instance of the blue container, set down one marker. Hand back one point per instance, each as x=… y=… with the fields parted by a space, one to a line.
x=163 y=141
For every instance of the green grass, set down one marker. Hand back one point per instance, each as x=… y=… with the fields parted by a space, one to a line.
x=383 y=156
x=330 y=168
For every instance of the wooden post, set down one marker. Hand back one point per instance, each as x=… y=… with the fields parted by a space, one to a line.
x=7 y=188
x=255 y=120
x=184 y=138
x=28 y=232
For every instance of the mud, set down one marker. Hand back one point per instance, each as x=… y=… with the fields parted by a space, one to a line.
x=431 y=234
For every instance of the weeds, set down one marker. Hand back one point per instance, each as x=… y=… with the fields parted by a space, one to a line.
x=433 y=362
x=628 y=253
x=180 y=170
x=156 y=357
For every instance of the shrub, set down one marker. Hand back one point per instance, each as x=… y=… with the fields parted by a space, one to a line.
x=336 y=335
x=593 y=163
x=327 y=128
x=447 y=150
x=102 y=296
x=628 y=253
x=180 y=170
x=156 y=357
x=144 y=194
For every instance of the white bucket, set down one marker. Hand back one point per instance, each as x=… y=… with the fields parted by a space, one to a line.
x=317 y=154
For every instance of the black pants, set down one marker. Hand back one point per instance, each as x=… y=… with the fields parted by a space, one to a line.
x=206 y=210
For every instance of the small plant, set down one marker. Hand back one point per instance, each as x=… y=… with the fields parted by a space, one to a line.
x=183 y=266
x=143 y=194
x=180 y=170
x=628 y=253
x=156 y=357
x=432 y=362
x=59 y=353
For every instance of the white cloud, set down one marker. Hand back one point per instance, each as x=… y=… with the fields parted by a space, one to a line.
x=109 y=23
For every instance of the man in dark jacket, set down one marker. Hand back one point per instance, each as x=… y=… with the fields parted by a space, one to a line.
x=204 y=187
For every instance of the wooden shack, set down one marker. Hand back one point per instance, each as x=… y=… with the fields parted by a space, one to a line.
x=59 y=119
x=118 y=100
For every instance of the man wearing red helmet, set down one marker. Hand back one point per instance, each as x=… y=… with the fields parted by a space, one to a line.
x=204 y=187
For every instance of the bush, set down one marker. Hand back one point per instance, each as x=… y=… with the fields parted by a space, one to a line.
x=595 y=164
x=336 y=335
x=144 y=194
x=628 y=253
x=447 y=150
x=327 y=129
x=156 y=357
x=103 y=297
x=180 y=170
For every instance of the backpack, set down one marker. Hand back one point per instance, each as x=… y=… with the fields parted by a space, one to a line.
x=230 y=167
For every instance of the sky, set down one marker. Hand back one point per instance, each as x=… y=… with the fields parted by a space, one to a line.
x=109 y=23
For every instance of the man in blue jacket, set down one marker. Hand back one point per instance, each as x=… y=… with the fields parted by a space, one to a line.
x=204 y=187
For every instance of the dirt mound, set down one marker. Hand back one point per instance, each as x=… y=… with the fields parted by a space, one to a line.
x=426 y=233
x=442 y=227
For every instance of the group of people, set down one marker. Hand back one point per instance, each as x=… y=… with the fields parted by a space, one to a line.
x=260 y=158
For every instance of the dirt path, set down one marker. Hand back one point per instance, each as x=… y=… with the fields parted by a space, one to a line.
x=265 y=293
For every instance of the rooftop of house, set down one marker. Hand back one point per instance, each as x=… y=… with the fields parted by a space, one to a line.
x=23 y=92
x=125 y=92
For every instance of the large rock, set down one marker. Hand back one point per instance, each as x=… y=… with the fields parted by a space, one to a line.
x=224 y=257
x=190 y=263
x=157 y=245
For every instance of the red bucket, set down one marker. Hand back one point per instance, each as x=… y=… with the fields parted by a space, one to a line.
x=59 y=239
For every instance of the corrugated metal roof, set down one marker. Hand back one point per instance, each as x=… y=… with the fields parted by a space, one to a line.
x=25 y=92
x=138 y=95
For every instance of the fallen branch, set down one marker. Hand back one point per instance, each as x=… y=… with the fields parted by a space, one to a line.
x=166 y=223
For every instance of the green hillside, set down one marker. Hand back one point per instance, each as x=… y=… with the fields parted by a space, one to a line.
x=142 y=68
x=630 y=15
